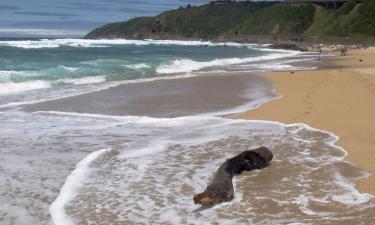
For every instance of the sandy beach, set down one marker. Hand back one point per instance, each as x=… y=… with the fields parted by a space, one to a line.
x=339 y=99
x=131 y=152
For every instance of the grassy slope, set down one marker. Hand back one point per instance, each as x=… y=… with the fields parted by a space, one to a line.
x=279 y=19
x=118 y=29
x=244 y=20
x=204 y=22
x=351 y=22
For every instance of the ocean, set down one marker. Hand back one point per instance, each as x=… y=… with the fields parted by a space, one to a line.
x=127 y=131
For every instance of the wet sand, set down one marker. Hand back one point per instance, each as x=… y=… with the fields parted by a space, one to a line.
x=337 y=99
x=167 y=98
x=323 y=185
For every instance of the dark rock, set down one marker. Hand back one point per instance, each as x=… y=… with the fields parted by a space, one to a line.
x=221 y=188
x=289 y=46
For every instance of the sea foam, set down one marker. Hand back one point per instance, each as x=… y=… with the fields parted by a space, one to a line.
x=13 y=88
x=188 y=151
x=70 y=188
x=138 y=66
x=83 y=80
x=9 y=88
x=188 y=65
x=84 y=43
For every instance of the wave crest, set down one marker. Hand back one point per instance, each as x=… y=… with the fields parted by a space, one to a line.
x=83 y=43
x=188 y=65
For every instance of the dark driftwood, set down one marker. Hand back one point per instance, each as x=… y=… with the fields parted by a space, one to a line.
x=221 y=188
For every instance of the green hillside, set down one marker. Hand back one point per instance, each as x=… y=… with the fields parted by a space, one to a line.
x=351 y=22
x=278 y=21
x=247 y=21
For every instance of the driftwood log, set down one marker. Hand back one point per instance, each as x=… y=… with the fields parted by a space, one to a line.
x=221 y=188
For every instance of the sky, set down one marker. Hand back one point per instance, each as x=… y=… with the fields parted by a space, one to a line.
x=74 y=18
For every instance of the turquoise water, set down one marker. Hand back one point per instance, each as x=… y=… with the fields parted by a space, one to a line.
x=27 y=65
x=115 y=62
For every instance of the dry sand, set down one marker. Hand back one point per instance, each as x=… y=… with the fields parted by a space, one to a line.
x=339 y=99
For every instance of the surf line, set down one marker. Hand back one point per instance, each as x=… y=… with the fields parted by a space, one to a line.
x=70 y=188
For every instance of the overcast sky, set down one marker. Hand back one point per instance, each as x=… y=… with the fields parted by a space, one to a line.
x=30 y=18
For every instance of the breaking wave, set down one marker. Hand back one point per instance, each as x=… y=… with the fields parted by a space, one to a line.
x=188 y=65
x=82 y=43
x=11 y=87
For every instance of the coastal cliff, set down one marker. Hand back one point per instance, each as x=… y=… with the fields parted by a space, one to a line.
x=251 y=21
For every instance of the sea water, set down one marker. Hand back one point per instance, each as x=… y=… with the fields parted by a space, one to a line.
x=27 y=65
x=66 y=167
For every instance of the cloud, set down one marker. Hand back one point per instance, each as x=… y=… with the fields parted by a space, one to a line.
x=40 y=32
x=60 y=25
x=137 y=11
x=9 y=7
x=129 y=7
x=31 y=13
x=80 y=15
x=128 y=2
x=86 y=6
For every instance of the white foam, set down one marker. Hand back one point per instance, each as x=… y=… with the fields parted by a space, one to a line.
x=195 y=131
x=13 y=88
x=70 y=188
x=55 y=43
x=331 y=142
x=188 y=65
x=105 y=86
x=351 y=196
x=282 y=67
x=145 y=120
x=83 y=80
x=70 y=69
x=138 y=66
x=10 y=87
x=303 y=202
x=87 y=115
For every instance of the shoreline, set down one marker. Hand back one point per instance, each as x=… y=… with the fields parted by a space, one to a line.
x=337 y=98
x=168 y=98
x=89 y=149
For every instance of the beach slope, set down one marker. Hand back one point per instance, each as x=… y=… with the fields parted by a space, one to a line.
x=339 y=99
